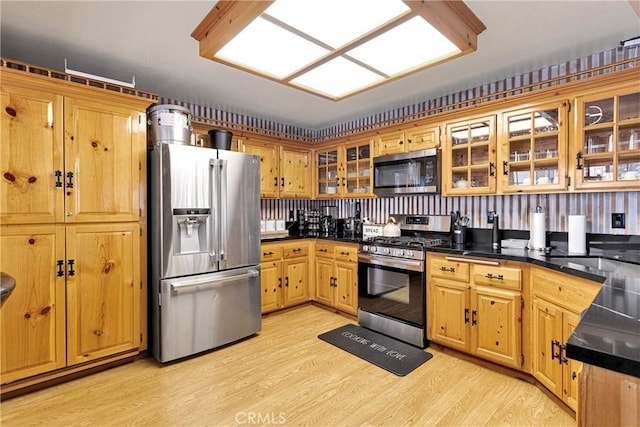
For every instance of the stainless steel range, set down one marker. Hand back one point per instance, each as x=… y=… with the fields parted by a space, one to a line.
x=392 y=278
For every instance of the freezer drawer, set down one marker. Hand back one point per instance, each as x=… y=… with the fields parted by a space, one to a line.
x=202 y=312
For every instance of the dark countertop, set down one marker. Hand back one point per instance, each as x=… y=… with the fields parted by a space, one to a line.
x=608 y=333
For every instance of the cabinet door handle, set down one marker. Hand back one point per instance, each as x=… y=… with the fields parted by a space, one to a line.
x=279 y=282
x=563 y=358
x=557 y=355
x=504 y=167
x=573 y=375
x=578 y=158
x=286 y=281
x=491 y=276
x=282 y=181
x=58 y=175
x=275 y=181
x=492 y=169
x=409 y=141
x=60 y=264
x=71 y=272
x=466 y=315
x=70 y=179
x=400 y=142
x=474 y=319
x=343 y=181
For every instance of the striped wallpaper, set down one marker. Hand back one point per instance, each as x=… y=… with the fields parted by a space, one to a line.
x=514 y=210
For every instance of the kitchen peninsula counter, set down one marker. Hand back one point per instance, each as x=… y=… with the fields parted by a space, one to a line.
x=608 y=333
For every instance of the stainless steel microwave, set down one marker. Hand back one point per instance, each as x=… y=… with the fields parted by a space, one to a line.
x=416 y=172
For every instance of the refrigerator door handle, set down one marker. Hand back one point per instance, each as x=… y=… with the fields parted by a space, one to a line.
x=214 y=189
x=223 y=210
x=204 y=284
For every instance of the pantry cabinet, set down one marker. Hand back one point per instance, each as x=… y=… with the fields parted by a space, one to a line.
x=337 y=276
x=406 y=140
x=284 y=274
x=285 y=172
x=558 y=300
x=344 y=170
x=73 y=163
x=606 y=147
x=478 y=312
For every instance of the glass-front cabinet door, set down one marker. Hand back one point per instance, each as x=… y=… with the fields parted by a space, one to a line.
x=357 y=169
x=327 y=169
x=469 y=157
x=533 y=149
x=607 y=144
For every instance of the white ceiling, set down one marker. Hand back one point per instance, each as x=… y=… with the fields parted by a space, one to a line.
x=151 y=40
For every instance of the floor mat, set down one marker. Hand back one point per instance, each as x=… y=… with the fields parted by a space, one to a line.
x=381 y=350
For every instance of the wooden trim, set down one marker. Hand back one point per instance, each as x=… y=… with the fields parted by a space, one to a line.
x=66 y=374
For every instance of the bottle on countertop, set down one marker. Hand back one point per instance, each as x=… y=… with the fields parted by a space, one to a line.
x=495 y=234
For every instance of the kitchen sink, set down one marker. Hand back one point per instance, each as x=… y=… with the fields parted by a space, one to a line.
x=597 y=263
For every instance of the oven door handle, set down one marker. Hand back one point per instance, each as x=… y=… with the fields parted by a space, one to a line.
x=401 y=264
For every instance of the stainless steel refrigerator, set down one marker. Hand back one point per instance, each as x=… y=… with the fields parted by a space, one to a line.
x=204 y=251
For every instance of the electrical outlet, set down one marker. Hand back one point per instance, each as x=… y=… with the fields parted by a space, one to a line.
x=617 y=220
x=490 y=216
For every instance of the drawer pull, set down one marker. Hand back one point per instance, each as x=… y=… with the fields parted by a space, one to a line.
x=267 y=253
x=491 y=276
x=450 y=270
x=344 y=253
x=323 y=250
x=297 y=249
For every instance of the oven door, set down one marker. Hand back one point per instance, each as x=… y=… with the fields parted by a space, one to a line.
x=392 y=288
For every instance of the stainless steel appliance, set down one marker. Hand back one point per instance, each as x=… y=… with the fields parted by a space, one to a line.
x=416 y=172
x=392 y=278
x=204 y=248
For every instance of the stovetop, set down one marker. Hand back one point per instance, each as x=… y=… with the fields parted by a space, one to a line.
x=406 y=247
x=412 y=242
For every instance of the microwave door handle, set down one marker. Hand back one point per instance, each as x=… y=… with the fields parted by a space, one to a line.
x=213 y=195
x=223 y=228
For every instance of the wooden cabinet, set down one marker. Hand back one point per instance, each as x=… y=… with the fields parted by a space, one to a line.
x=557 y=301
x=606 y=146
x=344 y=170
x=478 y=312
x=285 y=172
x=32 y=319
x=534 y=146
x=469 y=156
x=409 y=139
x=337 y=275
x=285 y=274
x=73 y=163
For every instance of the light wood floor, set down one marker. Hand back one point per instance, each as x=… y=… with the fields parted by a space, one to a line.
x=287 y=376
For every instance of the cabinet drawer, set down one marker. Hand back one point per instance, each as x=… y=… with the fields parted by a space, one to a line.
x=324 y=249
x=295 y=250
x=566 y=290
x=346 y=253
x=270 y=252
x=503 y=277
x=453 y=270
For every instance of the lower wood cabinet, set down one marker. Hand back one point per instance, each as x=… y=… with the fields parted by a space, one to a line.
x=484 y=320
x=284 y=274
x=77 y=296
x=558 y=299
x=337 y=275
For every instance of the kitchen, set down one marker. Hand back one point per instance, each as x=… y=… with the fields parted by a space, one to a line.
x=557 y=204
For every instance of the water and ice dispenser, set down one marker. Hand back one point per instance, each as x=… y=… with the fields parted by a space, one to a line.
x=191 y=226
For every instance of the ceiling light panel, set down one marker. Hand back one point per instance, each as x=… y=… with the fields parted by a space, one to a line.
x=263 y=46
x=336 y=22
x=405 y=47
x=337 y=78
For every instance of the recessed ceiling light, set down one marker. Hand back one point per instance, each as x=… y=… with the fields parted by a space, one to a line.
x=336 y=48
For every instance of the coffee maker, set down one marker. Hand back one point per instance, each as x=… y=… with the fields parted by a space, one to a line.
x=353 y=225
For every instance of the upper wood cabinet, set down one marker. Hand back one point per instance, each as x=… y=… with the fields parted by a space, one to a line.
x=284 y=171
x=405 y=140
x=344 y=170
x=469 y=156
x=533 y=149
x=80 y=166
x=606 y=146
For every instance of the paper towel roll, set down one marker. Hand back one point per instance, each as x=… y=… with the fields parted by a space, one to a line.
x=538 y=233
x=577 y=234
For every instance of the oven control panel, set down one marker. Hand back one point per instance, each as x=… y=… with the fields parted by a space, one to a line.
x=392 y=251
